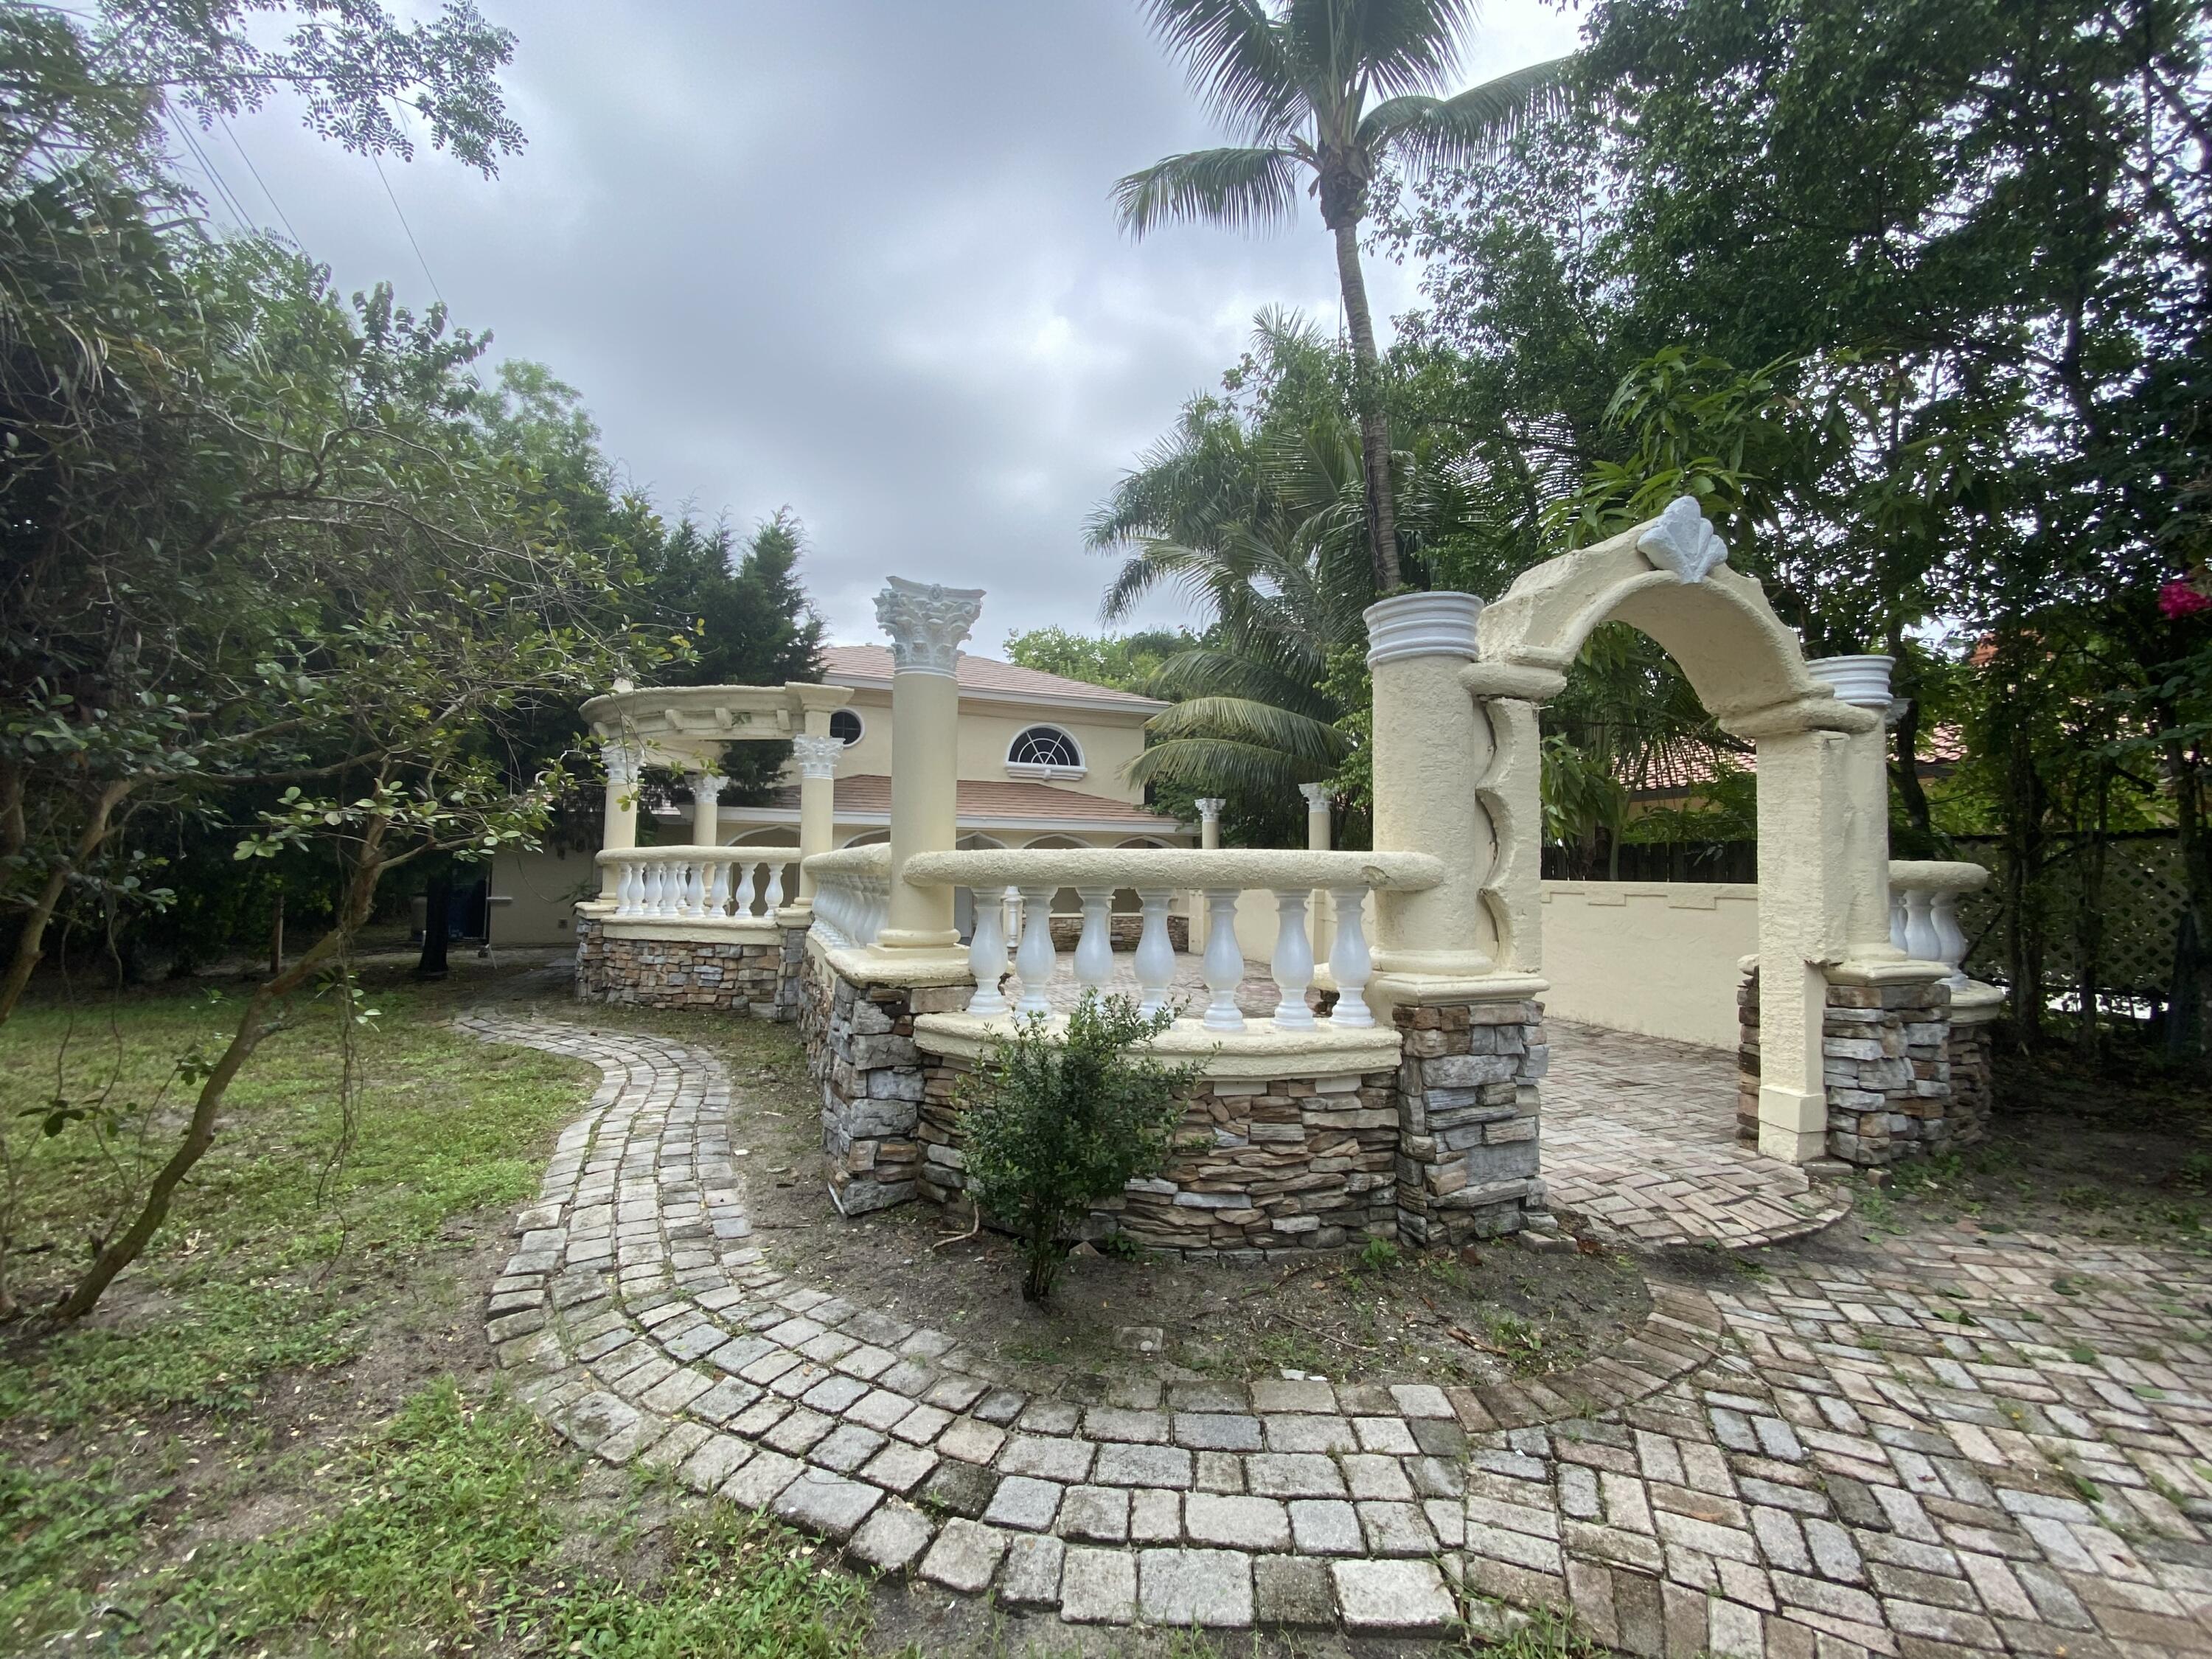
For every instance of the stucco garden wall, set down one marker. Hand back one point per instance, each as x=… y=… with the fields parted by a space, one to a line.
x=1659 y=958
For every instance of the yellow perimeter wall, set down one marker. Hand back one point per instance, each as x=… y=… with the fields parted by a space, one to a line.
x=1654 y=957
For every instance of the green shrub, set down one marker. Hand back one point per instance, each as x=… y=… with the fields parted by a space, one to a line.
x=1055 y=1122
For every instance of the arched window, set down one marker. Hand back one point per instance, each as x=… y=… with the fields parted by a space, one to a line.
x=1044 y=751
x=845 y=726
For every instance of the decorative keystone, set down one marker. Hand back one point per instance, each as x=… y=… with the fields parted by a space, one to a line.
x=926 y=623
x=817 y=755
x=1682 y=541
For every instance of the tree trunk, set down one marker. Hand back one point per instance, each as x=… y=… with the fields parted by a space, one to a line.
x=30 y=944
x=437 y=923
x=1374 y=420
x=121 y=1252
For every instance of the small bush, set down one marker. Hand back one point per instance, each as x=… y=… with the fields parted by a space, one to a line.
x=1055 y=1123
x=1377 y=1255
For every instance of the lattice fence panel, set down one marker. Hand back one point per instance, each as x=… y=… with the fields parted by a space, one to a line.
x=2143 y=905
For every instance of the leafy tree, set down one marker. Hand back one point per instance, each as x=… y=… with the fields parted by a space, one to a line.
x=1121 y=662
x=1295 y=81
x=87 y=87
x=1054 y=1124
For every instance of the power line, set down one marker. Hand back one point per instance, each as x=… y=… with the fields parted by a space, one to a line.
x=282 y=218
x=409 y=229
x=223 y=192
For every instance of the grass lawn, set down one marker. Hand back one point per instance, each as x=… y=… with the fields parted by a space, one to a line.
x=281 y=1431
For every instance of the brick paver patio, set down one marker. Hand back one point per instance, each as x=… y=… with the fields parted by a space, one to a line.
x=1955 y=1445
x=1640 y=1137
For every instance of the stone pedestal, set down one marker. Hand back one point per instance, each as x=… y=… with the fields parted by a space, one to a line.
x=754 y=976
x=1467 y=1118
x=860 y=1050
x=1886 y=1071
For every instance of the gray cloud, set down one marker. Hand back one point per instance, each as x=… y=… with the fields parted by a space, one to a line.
x=854 y=258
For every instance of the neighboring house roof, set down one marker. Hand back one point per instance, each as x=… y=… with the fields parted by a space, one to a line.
x=1686 y=770
x=981 y=677
x=865 y=798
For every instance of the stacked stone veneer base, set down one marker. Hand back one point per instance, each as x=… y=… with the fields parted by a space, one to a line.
x=1887 y=1055
x=1295 y=1162
x=860 y=1051
x=758 y=977
x=1972 y=1050
x=1468 y=1099
x=1439 y=1150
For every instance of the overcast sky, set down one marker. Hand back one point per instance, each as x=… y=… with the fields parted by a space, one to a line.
x=853 y=258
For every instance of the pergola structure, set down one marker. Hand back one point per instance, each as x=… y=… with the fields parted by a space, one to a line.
x=686 y=728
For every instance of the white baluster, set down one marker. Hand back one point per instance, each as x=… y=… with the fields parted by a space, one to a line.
x=1950 y=937
x=1224 y=962
x=630 y=889
x=718 y=887
x=1349 y=964
x=1292 y=963
x=744 y=899
x=1155 y=950
x=694 y=887
x=772 y=890
x=1920 y=942
x=1897 y=917
x=1094 y=947
x=654 y=881
x=987 y=951
x=671 y=887
x=1035 y=962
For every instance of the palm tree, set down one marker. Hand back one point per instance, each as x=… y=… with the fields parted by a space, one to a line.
x=1295 y=78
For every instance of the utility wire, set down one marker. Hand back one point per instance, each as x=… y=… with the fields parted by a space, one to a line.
x=283 y=217
x=239 y=214
x=409 y=229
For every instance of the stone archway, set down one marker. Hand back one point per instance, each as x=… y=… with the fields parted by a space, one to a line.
x=1823 y=818
x=1823 y=795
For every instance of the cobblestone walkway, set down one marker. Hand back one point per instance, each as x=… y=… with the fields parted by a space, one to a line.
x=1639 y=1136
x=1969 y=1448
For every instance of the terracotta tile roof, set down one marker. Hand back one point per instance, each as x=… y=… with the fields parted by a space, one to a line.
x=849 y=664
x=1683 y=771
x=980 y=801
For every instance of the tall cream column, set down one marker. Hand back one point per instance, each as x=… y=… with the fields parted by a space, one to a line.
x=926 y=623
x=706 y=827
x=618 y=824
x=1321 y=902
x=1209 y=821
x=1864 y=683
x=1431 y=744
x=818 y=755
x=1318 y=808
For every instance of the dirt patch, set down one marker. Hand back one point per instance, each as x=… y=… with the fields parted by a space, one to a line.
x=1483 y=1314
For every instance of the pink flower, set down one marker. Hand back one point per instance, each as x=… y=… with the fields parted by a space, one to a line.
x=2181 y=598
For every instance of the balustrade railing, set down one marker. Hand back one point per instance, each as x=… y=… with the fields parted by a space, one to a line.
x=1156 y=875
x=1923 y=911
x=699 y=884
x=852 y=893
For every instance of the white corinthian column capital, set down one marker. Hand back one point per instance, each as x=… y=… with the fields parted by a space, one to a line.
x=926 y=623
x=817 y=755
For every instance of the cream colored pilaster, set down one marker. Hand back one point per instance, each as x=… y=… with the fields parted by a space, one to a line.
x=818 y=754
x=618 y=825
x=926 y=623
x=1805 y=877
x=1431 y=743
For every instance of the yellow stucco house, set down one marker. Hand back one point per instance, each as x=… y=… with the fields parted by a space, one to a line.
x=1040 y=762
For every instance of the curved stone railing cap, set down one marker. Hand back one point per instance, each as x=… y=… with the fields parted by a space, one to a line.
x=1170 y=866
x=1938 y=875
x=873 y=860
